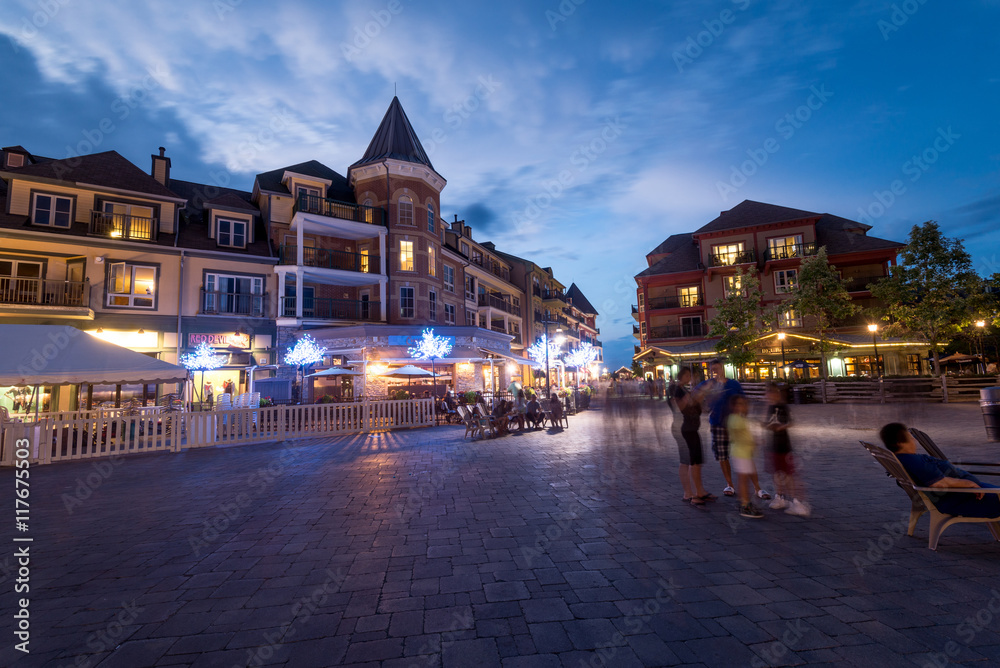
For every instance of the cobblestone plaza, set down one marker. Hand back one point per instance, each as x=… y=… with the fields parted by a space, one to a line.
x=564 y=548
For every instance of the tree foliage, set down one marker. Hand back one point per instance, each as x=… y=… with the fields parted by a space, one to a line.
x=933 y=291
x=821 y=298
x=738 y=320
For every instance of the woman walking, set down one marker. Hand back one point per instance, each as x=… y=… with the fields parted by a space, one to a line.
x=689 y=441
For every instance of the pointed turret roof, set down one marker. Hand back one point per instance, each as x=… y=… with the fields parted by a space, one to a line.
x=395 y=140
x=580 y=301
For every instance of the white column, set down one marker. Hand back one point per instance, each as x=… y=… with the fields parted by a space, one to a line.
x=281 y=294
x=383 y=254
x=298 y=244
x=382 y=298
x=299 y=274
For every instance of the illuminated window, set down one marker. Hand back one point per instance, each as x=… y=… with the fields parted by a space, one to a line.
x=368 y=212
x=365 y=259
x=780 y=248
x=131 y=286
x=688 y=296
x=405 y=255
x=431 y=261
x=724 y=255
x=791 y=318
x=732 y=285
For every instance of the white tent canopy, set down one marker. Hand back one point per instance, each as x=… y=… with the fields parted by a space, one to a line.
x=63 y=355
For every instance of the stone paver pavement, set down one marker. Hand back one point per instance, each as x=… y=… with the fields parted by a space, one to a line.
x=540 y=549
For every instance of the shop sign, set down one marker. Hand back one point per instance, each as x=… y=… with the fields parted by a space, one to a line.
x=777 y=351
x=220 y=340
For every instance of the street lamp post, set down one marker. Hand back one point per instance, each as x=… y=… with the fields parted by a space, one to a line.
x=873 y=328
x=980 y=325
x=784 y=371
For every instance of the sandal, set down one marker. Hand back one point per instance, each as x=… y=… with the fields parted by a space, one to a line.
x=697 y=502
x=686 y=499
x=729 y=491
x=708 y=497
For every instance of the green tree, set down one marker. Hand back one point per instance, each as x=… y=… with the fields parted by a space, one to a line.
x=931 y=293
x=637 y=369
x=821 y=297
x=738 y=319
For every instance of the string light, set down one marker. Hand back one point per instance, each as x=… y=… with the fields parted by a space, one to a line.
x=305 y=352
x=536 y=351
x=581 y=357
x=430 y=347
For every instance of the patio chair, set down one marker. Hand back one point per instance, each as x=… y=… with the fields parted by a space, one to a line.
x=922 y=499
x=472 y=425
x=928 y=444
x=485 y=419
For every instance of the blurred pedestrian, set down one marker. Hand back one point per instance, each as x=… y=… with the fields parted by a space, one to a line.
x=788 y=492
x=743 y=449
x=685 y=430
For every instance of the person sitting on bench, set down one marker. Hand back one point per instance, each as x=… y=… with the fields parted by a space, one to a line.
x=533 y=413
x=555 y=411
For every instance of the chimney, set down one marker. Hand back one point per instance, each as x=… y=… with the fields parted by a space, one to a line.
x=161 y=168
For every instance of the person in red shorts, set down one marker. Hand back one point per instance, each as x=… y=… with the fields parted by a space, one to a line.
x=788 y=491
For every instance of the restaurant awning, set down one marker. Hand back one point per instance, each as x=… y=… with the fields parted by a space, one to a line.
x=63 y=355
x=510 y=356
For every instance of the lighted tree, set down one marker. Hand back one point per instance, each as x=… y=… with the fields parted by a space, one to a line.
x=581 y=357
x=304 y=353
x=202 y=359
x=537 y=351
x=431 y=347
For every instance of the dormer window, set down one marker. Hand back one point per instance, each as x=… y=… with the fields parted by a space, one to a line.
x=15 y=160
x=405 y=211
x=52 y=210
x=231 y=233
x=307 y=197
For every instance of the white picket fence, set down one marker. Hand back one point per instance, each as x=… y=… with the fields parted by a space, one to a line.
x=90 y=434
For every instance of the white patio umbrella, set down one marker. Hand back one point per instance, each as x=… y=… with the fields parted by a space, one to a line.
x=409 y=372
x=336 y=371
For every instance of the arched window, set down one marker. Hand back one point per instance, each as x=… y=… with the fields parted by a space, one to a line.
x=368 y=211
x=431 y=226
x=405 y=211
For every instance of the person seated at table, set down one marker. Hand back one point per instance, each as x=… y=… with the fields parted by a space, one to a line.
x=500 y=417
x=449 y=401
x=555 y=410
x=533 y=412
x=928 y=471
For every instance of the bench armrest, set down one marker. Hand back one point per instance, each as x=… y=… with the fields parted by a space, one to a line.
x=949 y=490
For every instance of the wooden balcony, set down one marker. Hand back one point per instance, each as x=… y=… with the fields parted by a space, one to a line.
x=676 y=301
x=122 y=226
x=43 y=292
x=497 y=302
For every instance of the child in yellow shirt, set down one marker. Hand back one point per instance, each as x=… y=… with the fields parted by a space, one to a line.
x=741 y=453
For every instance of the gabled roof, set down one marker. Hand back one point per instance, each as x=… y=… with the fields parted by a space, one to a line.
x=395 y=140
x=682 y=256
x=193 y=232
x=231 y=201
x=338 y=188
x=749 y=213
x=580 y=301
x=108 y=169
x=835 y=233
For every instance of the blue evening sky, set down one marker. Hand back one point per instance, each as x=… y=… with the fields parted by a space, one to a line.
x=577 y=134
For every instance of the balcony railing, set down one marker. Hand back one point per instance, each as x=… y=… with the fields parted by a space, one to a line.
x=323 y=308
x=730 y=259
x=789 y=251
x=215 y=302
x=496 y=269
x=676 y=301
x=679 y=331
x=553 y=294
x=538 y=316
x=500 y=303
x=861 y=283
x=322 y=206
x=122 y=226
x=332 y=259
x=42 y=292
x=536 y=290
